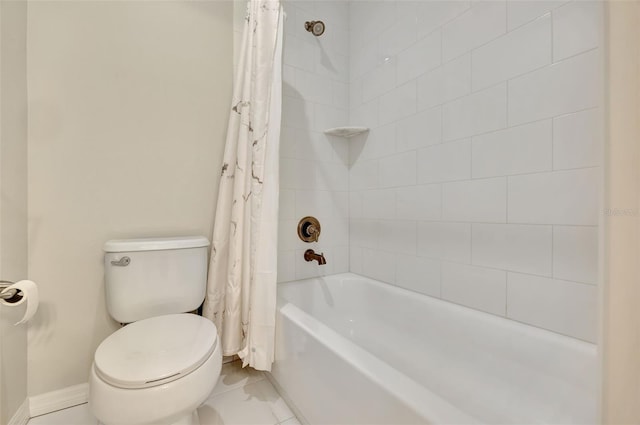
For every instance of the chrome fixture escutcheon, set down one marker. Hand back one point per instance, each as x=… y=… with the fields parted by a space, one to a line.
x=309 y=229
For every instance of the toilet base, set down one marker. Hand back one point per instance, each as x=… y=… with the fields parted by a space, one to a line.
x=192 y=419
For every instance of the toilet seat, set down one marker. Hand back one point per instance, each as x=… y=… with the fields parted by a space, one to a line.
x=155 y=351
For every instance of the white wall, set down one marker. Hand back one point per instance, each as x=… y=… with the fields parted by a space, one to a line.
x=621 y=292
x=128 y=106
x=13 y=200
x=479 y=182
x=314 y=166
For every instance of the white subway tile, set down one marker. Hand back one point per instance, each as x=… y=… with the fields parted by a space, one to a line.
x=287 y=235
x=299 y=53
x=364 y=233
x=560 y=197
x=335 y=232
x=329 y=117
x=485 y=21
x=516 y=150
x=477 y=113
x=332 y=65
x=372 y=18
x=363 y=175
x=355 y=93
x=446 y=241
x=445 y=162
x=313 y=88
x=445 y=83
x=577 y=27
x=433 y=14
x=476 y=287
x=419 y=130
x=287 y=208
x=521 y=248
x=286 y=266
x=398 y=36
x=289 y=23
x=379 y=80
x=308 y=144
x=340 y=94
x=398 y=103
x=407 y=10
x=288 y=142
x=398 y=170
x=565 y=307
x=364 y=59
x=339 y=257
x=398 y=236
x=515 y=53
x=294 y=174
x=418 y=274
x=475 y=200
x=523 y=11
x=567 y=86
x=289 y=81
x=297 y=113
x=355 y=204
x=419 y=58
x=355 y=259
x=332 y=176
x=575 y=253
x=365 y=115
x=419 y=202
x=379 y=204
x=380 y=142
x=577 y=139
x=379 y=265
x=324 y=205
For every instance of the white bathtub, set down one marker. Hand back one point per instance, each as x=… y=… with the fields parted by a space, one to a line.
x=351 y=350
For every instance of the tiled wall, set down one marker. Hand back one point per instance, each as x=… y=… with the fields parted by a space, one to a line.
x=479 y=181
x=314 y=174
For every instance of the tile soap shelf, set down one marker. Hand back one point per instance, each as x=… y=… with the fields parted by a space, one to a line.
x=346 y=132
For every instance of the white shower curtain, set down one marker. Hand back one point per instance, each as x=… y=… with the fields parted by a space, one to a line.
x=241 y=287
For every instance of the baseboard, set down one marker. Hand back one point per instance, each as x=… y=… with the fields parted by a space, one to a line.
x=57 y=400
x=21 y=417
x=287 y=399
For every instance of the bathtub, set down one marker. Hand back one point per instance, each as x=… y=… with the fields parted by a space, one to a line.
x=351 y=350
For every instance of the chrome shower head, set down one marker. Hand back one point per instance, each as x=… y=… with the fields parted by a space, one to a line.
x=315 y=27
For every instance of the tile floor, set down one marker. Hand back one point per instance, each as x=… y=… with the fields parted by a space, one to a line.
x=242 y=396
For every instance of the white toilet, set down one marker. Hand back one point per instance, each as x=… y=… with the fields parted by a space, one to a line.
x=161 y=366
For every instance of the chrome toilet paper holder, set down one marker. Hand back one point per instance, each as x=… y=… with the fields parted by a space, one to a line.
x=11 y=296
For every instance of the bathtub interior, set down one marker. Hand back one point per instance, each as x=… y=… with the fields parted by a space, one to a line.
x=498 y=370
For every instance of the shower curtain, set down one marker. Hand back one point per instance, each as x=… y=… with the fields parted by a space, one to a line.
x=241 y=286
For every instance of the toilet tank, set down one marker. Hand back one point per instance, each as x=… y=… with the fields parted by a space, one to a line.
x=154 y=276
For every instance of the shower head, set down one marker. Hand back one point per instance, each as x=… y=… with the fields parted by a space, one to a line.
x=315 y=27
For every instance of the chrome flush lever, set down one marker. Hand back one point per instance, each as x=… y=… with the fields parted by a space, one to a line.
x=123 y=262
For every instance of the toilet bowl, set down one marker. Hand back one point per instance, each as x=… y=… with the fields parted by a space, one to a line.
x=155 y=371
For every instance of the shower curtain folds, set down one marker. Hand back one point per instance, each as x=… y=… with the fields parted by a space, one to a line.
x=241 y=286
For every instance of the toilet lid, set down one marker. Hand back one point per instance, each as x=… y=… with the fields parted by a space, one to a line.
x=154 y=351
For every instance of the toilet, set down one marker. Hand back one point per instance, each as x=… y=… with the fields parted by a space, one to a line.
x=166 y=361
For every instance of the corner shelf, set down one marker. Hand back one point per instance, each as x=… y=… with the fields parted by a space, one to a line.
x=346 y=132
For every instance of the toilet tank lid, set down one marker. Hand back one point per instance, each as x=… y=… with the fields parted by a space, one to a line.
x=155 y=244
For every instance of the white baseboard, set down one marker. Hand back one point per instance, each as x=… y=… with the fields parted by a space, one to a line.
x=57 y=400
x=287 y=399
x=21 y=417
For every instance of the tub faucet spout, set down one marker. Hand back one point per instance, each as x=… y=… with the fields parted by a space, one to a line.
x=310 y=255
